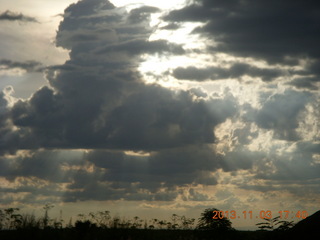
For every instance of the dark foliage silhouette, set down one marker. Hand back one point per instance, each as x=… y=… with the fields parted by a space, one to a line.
x=274 y=224
x=206 y=221
x=101 y=225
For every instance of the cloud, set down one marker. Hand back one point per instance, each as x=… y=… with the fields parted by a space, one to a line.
x=86 y=8
x=141 y=14
x=152 y=118
x=193 y=195
x=7 y=136
x=41 y=165
x=101 y=192
x=277 y=177
x=307 y=83
x=98 y=98
x=282 y=33
x=291 y=167
x=143 y=46
x=130 y=177
x=280 y=113
x=13 y=16
x=268 y=30
x=165 y=168
x=99 y=101
x=29 y=66
x=238 y=159
x=107 y=175
x=237 y=70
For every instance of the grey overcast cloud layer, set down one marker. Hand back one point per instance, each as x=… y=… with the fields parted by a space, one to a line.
x=242 y=127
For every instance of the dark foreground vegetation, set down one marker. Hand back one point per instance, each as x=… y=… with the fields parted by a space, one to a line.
x=132 y=234
x=101 y=225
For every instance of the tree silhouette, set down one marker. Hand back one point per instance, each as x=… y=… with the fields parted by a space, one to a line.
x=206 y=221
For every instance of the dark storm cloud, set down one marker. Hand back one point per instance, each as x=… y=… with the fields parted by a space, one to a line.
x=280 y=113
x=99 y=99
x=158 y=118
x=237 y=70
x=13 y=16
x=29 y=66
x=191 y=13
x=279 y=32
x=152 y=118
x=270 y=30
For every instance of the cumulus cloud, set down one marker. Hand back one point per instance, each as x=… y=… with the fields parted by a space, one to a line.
x=98 y=100
x=101 y=100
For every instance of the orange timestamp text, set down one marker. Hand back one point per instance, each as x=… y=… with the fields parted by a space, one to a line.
x=263 y=214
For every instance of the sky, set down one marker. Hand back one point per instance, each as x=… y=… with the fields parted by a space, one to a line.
x=151 y=108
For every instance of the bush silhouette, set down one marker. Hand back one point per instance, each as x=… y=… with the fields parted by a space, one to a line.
x=206 y=221
x=84 y=226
